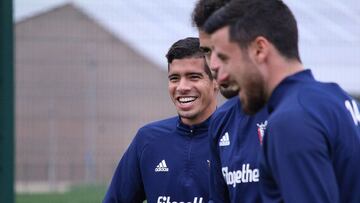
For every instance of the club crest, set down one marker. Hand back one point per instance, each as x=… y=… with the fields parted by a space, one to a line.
x=261 y=130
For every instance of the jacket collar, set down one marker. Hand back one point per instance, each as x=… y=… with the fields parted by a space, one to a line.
x=283 y=88
x=194 y=129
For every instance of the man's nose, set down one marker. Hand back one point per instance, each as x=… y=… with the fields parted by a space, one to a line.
x=214 y=62
x=184 y=85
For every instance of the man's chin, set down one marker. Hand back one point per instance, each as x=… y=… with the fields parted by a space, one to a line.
x=229 y=91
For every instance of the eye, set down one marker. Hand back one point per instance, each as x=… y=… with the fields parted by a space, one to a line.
x=205 y=50
x=195 y=77
x=173 y=78
x=223 y=58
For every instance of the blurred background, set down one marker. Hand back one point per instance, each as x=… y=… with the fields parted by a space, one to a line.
x=90 y=73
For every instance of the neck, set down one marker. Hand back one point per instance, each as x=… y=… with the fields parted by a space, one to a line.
x=202 y=117
x=281 y=69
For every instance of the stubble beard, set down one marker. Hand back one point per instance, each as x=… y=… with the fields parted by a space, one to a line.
x=229 y=91
x=254 y=97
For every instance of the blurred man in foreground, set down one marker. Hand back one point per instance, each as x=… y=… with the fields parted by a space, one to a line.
x=235 y=137
x=312 y=144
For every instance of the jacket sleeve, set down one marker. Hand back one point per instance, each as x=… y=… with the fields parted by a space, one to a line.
x=296 y=160
x=126 y=185
x=218 y=188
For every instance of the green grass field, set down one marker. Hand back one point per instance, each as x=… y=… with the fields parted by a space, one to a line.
x=79 y=194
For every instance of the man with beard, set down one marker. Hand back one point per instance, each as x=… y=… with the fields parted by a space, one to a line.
x=202 y=11
x=235 y=137
x=312 y=143
x=168 y=160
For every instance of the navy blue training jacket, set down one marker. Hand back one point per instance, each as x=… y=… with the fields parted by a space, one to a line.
x=235 y=150
x=167 y=161
x=311 y=150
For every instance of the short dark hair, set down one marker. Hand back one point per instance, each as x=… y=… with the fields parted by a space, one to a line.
x=187 y=48
x=248 y=19
x=204 y=9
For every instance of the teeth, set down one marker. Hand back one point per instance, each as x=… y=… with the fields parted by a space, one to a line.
x=186 y=99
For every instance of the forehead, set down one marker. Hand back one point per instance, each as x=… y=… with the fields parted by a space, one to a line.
x=221 y=41
x=204 y=38
x=187 y=65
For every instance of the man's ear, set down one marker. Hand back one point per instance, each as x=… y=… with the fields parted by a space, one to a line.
x=259 y=49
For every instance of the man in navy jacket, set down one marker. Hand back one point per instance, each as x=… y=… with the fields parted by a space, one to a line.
x=312 y=143
x=235 y=137
x=168 y=160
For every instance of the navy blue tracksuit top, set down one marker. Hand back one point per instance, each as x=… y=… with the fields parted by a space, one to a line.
x=235 y=150
x=311 y=149
x=167 y=161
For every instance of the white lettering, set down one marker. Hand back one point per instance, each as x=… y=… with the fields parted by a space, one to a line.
x=166 y=199
x=161 y=199
x=354 y=111
x=245 y=175
x=256 y=175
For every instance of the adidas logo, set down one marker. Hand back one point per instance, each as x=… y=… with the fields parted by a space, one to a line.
x=224 y=141
x=161 y=167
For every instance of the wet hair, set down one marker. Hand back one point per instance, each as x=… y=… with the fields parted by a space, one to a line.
x=248 y=19
x=187 y=48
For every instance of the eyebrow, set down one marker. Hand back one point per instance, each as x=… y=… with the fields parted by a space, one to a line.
x=205 y=48
x=187 y=74
x=221 y=56
x=194 y=73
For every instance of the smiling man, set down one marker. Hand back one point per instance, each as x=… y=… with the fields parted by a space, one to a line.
x=168 y=160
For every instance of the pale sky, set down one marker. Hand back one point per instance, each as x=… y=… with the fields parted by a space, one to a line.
x=329 y=30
